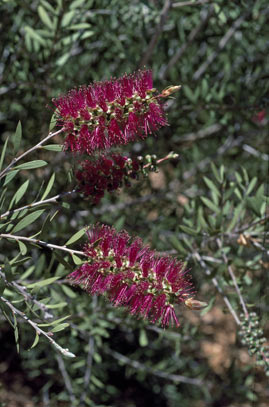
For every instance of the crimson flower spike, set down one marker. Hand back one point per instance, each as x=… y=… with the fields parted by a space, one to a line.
x=107 y=173
x=132 y=275
x=109 y=113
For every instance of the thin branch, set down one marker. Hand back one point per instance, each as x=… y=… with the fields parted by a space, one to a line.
x=39 y=331
x=163 y=16
x=192 y=36
x=140 y=366
x=22 y=290
x=221 y=45
x=66 y=378
x=41 y=243
x=190 y=3
x=208 y=131
x=16 y=159
x=250 y=225
x=88 y=371
x=53 y=199
x=218 y=287
x=255 y=152
x=230 y=271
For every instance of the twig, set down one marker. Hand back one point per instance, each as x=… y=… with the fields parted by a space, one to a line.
x=223 y=42
x=190 y=3
x=140 y=366
x=254 y=152
x=192 y=36
x=67 y=381
x=41 y=243
x=88 y=371
x=39 y=331
x=230 y=271
x=16 y=159
x=167 y=157
x=208 y=131
x=38 y=203
x=26 y=295
x=250 y=225
x=163 y=16
x=216 y=284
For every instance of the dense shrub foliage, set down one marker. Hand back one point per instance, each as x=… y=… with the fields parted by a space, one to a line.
x=205 y=205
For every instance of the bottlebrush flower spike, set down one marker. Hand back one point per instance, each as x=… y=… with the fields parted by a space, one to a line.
x=107 y=173
x=110 y=113
x=132 y=275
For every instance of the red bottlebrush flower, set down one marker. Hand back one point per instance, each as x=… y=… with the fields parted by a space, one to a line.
x=105 y=174
x=132 y=275
x=110 y=113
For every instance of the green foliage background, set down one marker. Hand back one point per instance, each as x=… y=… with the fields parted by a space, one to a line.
x=218 y=52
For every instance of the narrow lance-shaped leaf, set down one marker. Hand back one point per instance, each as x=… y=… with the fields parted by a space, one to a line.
x=28 y=220
x=45 y=18
x=17 y=138
x=49 y=186
x=19 y=194
x=3 y=153
x=43 y=283
x=75 y=237
x=31 y=164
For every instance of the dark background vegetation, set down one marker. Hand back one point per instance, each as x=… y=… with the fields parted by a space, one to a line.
x=218 y=52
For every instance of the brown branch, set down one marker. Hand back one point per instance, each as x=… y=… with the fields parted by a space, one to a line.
x=163 y=16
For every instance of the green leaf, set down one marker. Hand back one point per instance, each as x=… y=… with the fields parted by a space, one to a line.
x=251 y=185
x=16 y=333
x=17 y=138
x=2 y=286
x=3 y=153
x=49 y=186
x=61 y=260
x=27 y=273
x=31 y=164
x=210 y=204
x=42 y=283
x=143 y=339
x=35 y=36
x=28 y=220
x=45 y=18
x=57 y=321
x=211 y=186
x=76 y=3
x=23 y=248
x=189 y=93
x=68 y=291
x=80 y=26
x=60 y=327
x=76 y=259
x=75 y=237
x=19 y=194
x=9 y=177
x=53 y=121
x=215 y=172
x=209 y=306
x=59 y=305
x=188 y=230
x=67 y=18
x=53 y=147
x=177 y=245
x=35 y=341
x=237 y=214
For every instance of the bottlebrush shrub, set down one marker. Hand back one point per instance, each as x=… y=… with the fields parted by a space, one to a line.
x=107 y=173
x=110 y=113
x=132 y=275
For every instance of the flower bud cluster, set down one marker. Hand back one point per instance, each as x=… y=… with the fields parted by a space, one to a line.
x=132 y=275
x=110 y=113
